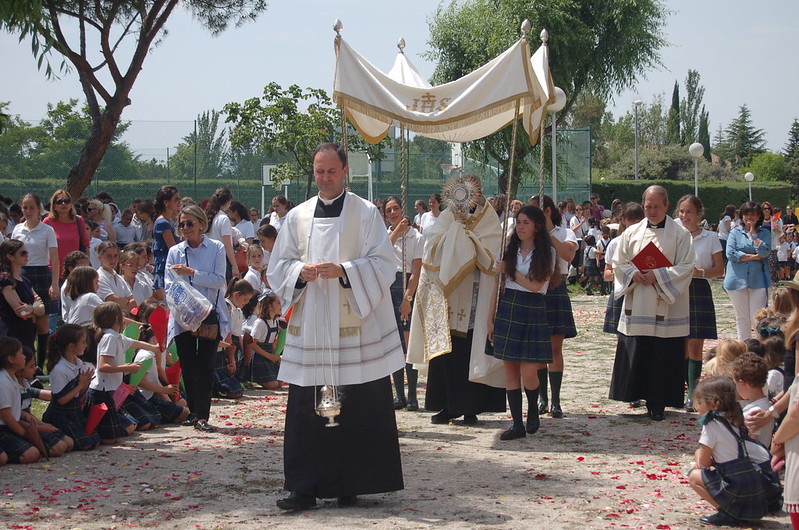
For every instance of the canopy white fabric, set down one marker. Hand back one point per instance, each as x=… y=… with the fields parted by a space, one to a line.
x=467 y=109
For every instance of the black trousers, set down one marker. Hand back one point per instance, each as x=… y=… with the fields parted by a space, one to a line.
x=197 y=363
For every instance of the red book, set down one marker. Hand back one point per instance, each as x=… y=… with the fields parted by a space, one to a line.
x=651 y=258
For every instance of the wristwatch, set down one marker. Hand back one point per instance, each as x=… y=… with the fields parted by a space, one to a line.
x=409 y=298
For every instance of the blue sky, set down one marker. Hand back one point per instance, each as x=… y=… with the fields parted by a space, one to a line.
x=744 y=51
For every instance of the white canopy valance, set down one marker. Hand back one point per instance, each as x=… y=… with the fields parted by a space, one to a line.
x=467 y=109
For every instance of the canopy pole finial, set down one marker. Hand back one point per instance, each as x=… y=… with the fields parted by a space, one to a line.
x=544 y=35
x=338 y=26
x=401 y=45
x=526 y=27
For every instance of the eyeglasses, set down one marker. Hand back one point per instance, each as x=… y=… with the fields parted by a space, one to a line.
x=186 y=224
x=766 y=208
x=22 y=253
x=90 y=209
x=62 y=201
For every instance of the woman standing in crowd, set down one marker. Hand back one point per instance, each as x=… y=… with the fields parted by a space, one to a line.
x=772 y=221
x=221 y=228
x=239 y=219
x=523 y=344
x=725 y=225
x=202 y=261
x=19 y=302
x=42 y=268
x=280 y=207
x=69 y=227
x=421 y=208
x=167 y=203
x=558 y=307
x=101 y=214
x=404 y=238
x=747 y=277
x=709 y=264
x=429 y=218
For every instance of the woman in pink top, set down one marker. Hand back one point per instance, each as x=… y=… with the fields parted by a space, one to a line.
x=70 y=228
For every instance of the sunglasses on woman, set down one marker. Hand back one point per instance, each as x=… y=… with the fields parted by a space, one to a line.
x=62 y=201
x=22 y=253
x=186 y=224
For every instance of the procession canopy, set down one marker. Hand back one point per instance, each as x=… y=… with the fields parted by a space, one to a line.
x=464 y=110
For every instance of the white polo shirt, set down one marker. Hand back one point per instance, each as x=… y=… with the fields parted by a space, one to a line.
x=112 y=283
x=38 y=242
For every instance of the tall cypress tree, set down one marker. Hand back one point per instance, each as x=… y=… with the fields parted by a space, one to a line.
x=703 y=135
x=673 y=124
x=791 y=153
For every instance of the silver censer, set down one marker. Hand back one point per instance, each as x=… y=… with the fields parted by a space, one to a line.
x=329 y=406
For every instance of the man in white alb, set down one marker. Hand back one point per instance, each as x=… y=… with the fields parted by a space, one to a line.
x=334 y=263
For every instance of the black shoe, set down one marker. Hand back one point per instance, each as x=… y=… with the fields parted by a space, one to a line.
x=190 y=420
x=637 y=403
x=351 y=500
x=513 y=433
x=689 y=406
x=720 y=518
x=555 y=411
x=204 y=426
x=533 y=423
x=543 y=407
x=297 y=502
x=413 y=407
x=656 y=415
x=442 y=418
x=470 y=419
x=399 y=403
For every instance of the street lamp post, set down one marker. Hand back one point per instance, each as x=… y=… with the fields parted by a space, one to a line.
x=560 y=102
x=638 y=103
x=696 y=150
x=749 y=177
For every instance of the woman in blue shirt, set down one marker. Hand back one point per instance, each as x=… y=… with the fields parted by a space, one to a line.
x=747 y=277
x=167 y=203
x=201 y=261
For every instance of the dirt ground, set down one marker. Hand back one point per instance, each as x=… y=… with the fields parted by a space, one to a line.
x=601 y=466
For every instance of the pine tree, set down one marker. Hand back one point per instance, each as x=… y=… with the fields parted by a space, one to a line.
x=673 y=124
x=742 y=139
x=703 y=134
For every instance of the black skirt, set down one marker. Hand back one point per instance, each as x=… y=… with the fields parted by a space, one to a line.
x=650 y=368
x=449 y=388
x=360 y=456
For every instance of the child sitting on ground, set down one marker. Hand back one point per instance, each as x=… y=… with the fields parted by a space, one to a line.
x=726 y=352
x=774 y=348
x=723 y=440
x=749 y=373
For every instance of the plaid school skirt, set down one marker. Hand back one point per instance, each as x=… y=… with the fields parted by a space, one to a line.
x=612 y=314
x=41 y=279
x=559 y=312
x=521 y=334
x=70 y=419
x=262 y=369
x=114 y=421
x=13 y=444
x=137 y=407
x=751 y=497
x=702 y=310
x=224 y=382
x=167 y=410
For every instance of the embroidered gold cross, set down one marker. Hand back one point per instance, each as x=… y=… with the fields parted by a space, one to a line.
x=461 y=314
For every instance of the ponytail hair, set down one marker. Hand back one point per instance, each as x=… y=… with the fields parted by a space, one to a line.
x=58 y=342
x=106 y=315
x=236 y=285
x=221 y=196
x=719 y=393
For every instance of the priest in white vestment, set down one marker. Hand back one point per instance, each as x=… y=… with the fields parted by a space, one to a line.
x=650 y=354
x=334 y=264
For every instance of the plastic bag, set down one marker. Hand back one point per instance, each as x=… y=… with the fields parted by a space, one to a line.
x=186 y=305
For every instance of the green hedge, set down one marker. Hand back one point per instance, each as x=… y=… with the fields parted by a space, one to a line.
x=714 y=195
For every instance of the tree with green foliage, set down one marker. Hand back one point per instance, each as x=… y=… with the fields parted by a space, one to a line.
x=703 y=134
x=97 y=48
x=208 y=144
x=673 y=124
x=767 y=166
x=277 y=124
x=741 y=141
x=690 y=115
x=48 y=150
x=599 y=47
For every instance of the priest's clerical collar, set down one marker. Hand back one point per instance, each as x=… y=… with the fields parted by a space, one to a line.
x=661 y=224
x=330 y=208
